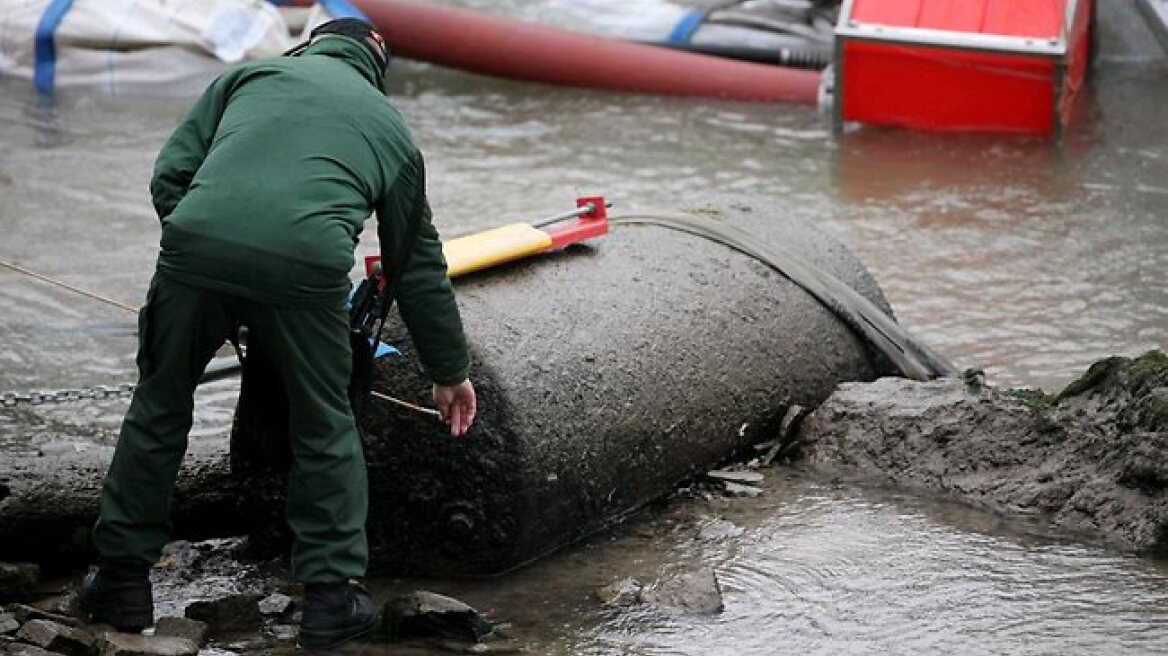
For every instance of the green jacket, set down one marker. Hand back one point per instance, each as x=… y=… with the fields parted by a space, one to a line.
x=264 y=187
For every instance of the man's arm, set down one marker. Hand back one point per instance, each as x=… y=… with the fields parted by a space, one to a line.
x=185 y=150
x=425 y=297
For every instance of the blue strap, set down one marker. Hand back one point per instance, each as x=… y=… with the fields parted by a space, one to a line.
x=685 y=28
x=342 y=9
x=45 y=52
x=338 y=8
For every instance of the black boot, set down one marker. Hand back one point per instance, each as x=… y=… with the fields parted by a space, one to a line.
x=117 y=596
x=334 y=613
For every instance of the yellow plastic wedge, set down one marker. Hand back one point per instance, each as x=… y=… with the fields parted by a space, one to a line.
x=487 y=249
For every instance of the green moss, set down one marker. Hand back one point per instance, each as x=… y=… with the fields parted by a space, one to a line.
x=1111 y=375
x=1150 y=370
x=1153 y=410
x=1095 y=378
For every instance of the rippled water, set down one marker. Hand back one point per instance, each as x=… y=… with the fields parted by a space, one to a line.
x=1007 y=254
x=812 y=568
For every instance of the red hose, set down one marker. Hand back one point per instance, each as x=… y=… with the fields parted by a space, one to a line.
x=493 y=46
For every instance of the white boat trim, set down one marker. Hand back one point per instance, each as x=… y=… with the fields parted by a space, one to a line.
x=1055 y=47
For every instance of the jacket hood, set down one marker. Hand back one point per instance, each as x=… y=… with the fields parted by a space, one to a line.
x=351 y=52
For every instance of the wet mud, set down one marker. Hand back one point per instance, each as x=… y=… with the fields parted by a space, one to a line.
x=48 y=502
x=211 y=597
x=1092 y=459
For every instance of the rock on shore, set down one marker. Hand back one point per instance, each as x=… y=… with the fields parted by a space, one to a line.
x=1093 y=457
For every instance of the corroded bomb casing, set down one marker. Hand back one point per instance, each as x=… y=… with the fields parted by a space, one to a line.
x=605 y=374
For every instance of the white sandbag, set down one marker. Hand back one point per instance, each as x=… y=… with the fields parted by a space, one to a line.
x=142 y=45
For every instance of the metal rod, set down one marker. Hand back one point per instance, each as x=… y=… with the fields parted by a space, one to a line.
x=587 y=208
x=563 y=216
x=406 y=404
x=64 y=285
x=225 y=367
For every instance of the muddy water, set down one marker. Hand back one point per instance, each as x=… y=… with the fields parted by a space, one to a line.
x=1006 y=254
x=812 y=568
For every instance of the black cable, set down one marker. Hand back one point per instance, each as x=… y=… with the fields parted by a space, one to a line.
x=913 y=358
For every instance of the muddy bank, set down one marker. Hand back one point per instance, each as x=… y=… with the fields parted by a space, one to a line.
x=606 y=374
x=48 y=502
x=1093 y=458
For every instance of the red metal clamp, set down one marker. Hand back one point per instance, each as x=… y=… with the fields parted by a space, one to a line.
x=592 y=223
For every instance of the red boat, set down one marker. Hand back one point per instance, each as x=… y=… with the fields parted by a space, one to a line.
x=962 y=65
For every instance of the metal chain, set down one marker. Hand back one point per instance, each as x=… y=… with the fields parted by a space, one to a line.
x=41 y=397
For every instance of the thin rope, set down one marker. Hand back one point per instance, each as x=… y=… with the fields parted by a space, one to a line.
x=64 y=285
x=129 y=308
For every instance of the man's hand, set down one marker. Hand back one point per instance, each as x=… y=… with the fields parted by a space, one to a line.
x=456 y=406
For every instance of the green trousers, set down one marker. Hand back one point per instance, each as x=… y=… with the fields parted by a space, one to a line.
x=180 y=328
